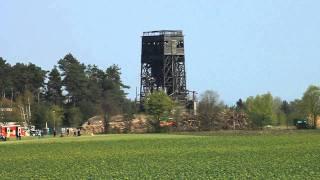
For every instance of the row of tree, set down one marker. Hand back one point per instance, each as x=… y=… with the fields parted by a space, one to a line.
x=259 y=111
x=67 y=95
x=72 y=92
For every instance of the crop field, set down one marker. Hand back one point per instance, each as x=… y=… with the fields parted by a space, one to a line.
x=292 y=155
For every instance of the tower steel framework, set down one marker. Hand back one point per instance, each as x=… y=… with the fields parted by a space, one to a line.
x=163 y=64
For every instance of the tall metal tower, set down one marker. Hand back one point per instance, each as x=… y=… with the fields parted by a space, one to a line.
x=163 y=64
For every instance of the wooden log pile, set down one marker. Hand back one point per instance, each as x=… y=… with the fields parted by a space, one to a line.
x=117 y=124
x=140 y=124
x=233 y=119
x=94 y=125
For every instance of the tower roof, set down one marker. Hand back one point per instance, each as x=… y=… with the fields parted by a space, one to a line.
x=163 y=33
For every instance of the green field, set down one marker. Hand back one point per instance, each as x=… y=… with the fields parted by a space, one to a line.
x=257 y=155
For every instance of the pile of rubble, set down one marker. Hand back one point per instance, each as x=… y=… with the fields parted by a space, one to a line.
x=140 y=124
x=117 y=124
x=94 y=125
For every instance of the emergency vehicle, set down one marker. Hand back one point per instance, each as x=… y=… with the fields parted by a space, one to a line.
x=11 y=130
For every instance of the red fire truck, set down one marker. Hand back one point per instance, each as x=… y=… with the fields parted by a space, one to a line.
x=11 y=130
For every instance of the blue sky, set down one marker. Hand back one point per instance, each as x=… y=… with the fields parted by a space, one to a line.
x=238 y=48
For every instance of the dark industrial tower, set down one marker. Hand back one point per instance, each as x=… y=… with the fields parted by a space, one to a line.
x=163 y=64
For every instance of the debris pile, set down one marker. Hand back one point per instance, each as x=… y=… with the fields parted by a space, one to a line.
x=118 y=124
x=233 y=119
x=94 y=125
x=140 y=124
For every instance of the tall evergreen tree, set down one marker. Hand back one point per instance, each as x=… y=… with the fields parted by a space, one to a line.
x=113 y=90
x=54 y=87
x=5 y=80
x=90 y=105
x=74 y=78
x=94 y=87
x=27 y=77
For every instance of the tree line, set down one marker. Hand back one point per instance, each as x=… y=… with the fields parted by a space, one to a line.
x=67 y=95
x=258 y=111
x=71 y=92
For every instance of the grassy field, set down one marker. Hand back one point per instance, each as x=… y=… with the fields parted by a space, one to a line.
x=239 y=155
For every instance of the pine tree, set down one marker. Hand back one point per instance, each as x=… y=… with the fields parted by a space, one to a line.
x=54 y=87
x=74 y=78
